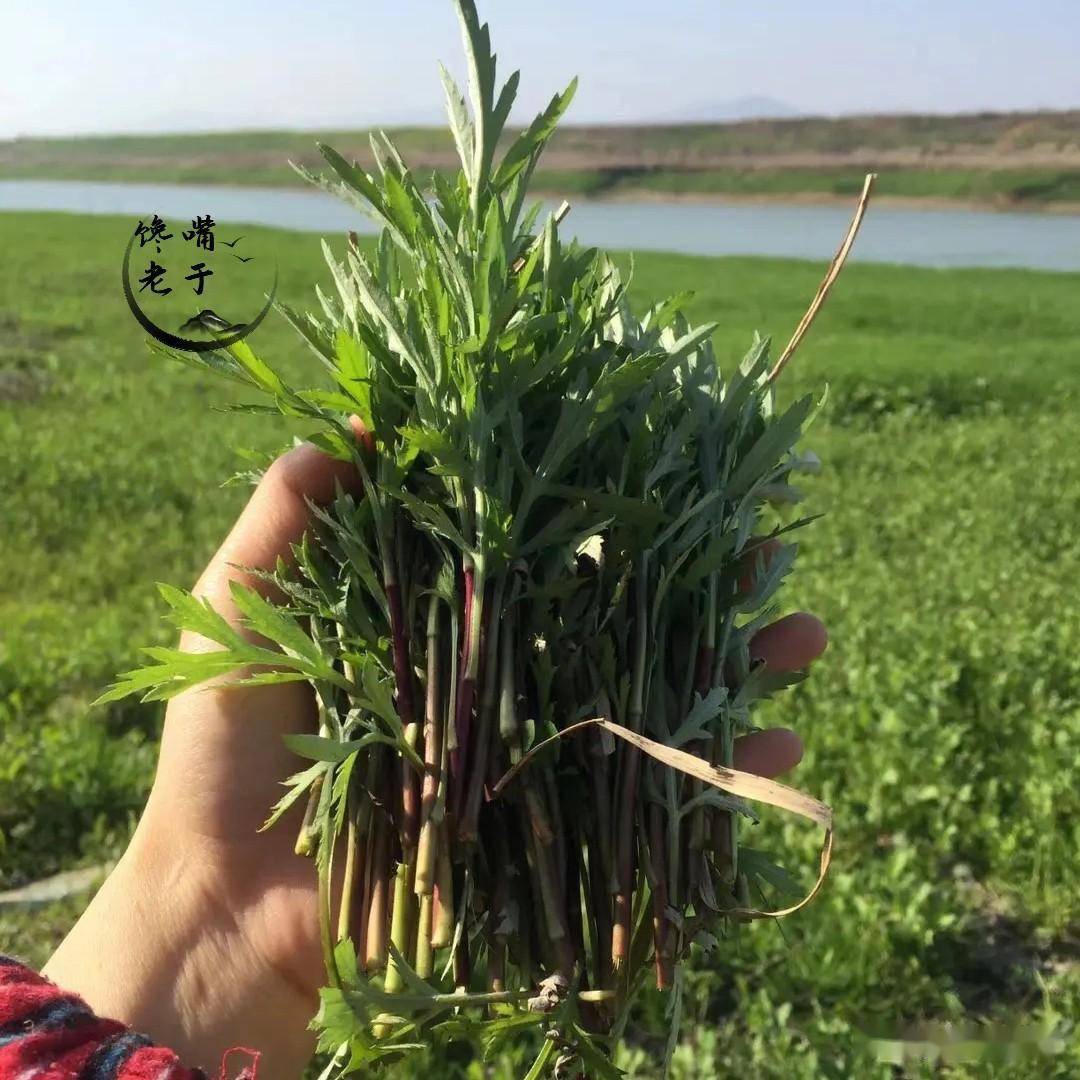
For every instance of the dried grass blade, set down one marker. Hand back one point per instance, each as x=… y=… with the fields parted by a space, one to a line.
x=734 y=781
x=831 y=275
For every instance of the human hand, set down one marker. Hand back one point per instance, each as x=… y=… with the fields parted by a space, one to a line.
x=205 y=935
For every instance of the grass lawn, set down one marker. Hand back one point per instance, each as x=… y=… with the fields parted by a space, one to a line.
x=943 y=724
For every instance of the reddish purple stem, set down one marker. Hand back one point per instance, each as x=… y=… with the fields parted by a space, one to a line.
x=464 y=704
x=410 y=782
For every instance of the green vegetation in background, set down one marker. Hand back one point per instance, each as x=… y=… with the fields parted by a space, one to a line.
x=1001 y=133
x=1003 y=188
x=995 y=159
x=943 y=724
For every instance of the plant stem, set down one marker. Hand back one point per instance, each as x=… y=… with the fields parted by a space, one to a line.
x=624 y=897
x=352 y=861
x=497 y=965
x=325 y=870
x=509 y=726
x=600 y=909
x=425 y=953
x=401 y=930
x=551 y=902
x=572 y=894
x=377 y=949
x=498 y=919
x=307 y=833
x=732 y=817
x=462 y=964
x=434 y=756
x=365 y=904
x=470 y=660
x=442 y=927
x=661 y=931
x=468 y=828
x=601 y=863
x=510 y=997
x=726 y=824
x=559 y=843
x=703 y=676
x=510 y=731
x=538 y=816
x=405 y=702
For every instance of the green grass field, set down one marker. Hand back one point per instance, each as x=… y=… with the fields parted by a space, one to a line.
x=943 y=724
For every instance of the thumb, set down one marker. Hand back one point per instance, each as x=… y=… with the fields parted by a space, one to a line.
x=275 y=518
x=212 y=735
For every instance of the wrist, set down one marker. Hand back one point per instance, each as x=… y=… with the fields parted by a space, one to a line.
x=157 y=950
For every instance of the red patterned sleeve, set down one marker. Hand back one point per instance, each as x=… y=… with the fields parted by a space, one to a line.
x=47 y=1033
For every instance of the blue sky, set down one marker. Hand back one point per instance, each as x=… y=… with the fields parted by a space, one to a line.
x=72 y=66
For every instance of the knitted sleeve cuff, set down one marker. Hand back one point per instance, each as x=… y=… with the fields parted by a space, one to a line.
x=47 y=1033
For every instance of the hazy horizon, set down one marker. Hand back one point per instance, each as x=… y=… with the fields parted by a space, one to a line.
x=74 y=69
x=439 y=122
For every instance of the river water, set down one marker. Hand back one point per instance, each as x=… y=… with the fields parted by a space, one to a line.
x=911 y=236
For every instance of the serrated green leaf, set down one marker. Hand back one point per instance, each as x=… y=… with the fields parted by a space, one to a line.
x=298 y=784
x=776 y=440
x=318 y=748
x=190 y=612
x=276 y=624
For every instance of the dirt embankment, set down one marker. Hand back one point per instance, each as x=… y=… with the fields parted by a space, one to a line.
x=1029 y=153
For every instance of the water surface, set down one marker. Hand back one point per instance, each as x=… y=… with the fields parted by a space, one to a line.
x=916 y=237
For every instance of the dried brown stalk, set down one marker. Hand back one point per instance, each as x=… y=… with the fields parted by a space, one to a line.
x=831 y=275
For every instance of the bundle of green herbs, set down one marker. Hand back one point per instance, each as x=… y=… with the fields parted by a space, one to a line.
x=529 y=637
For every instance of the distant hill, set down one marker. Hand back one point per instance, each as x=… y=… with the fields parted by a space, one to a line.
x=1001 y=159
x=726 y=112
